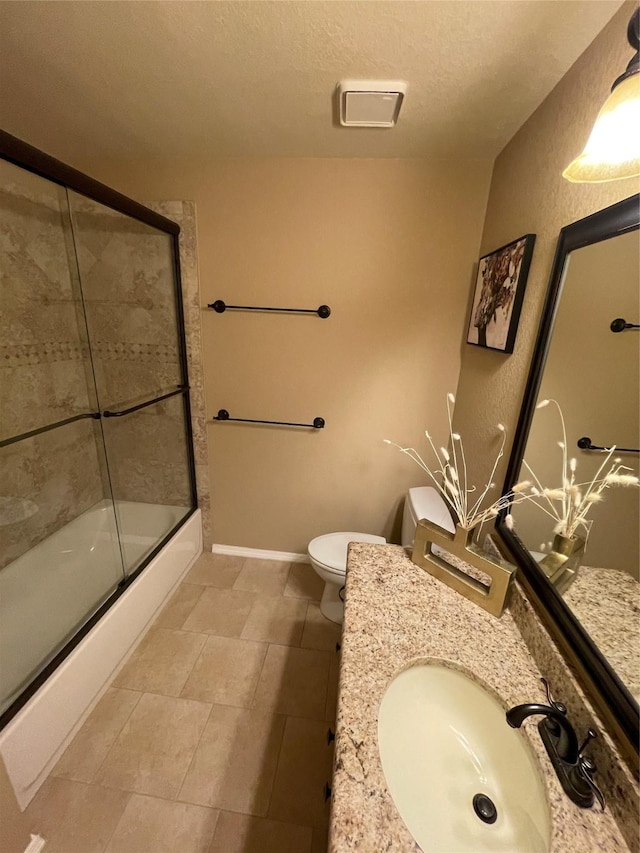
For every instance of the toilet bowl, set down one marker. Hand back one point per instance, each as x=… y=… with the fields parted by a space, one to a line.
x=328 y=553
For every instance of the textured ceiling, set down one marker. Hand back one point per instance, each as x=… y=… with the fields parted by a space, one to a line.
x=202 y=79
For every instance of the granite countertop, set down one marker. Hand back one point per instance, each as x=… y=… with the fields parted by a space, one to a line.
x=396 y=613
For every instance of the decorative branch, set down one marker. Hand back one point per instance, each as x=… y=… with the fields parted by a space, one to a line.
x=451 y=479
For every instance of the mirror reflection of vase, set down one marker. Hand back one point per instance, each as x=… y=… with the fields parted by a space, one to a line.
x=561 y=564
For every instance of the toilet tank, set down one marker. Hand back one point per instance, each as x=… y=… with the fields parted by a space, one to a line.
x=423 y=502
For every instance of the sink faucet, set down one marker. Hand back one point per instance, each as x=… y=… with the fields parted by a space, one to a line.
x=574 y=771
x=567 y=743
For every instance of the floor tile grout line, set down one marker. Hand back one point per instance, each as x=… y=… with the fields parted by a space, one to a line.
x=258 y=818
x=193 y=666
x=244 y=624
x=120 y=730
x=304 y=625
x=197 y=746
x=191 y=611
x=275 y=772
x=106 y=846
x=251 y=705
x=180 y=630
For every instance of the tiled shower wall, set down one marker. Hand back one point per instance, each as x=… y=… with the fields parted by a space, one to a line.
x=49 y=479
x=184 y=213
x=126 y=269
x=46 y=371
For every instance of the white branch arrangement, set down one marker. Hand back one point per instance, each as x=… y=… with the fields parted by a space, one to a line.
x=570 y=504
x=450 y=478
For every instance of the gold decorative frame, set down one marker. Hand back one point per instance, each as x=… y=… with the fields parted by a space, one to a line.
x=492 y=597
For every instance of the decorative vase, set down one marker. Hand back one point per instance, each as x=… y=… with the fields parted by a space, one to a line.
x=491 y=596
x=561 y=564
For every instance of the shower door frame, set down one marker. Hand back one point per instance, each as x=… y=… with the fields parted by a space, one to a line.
x=26 y=156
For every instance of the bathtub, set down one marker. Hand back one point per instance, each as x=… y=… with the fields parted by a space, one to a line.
x=52 y=590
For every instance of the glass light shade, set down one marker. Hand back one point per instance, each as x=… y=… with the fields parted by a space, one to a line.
x=613 y=149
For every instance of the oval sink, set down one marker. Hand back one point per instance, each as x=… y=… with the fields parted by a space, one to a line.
x=462 y=780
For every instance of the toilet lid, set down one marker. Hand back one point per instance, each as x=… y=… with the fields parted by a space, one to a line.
x=331 y=549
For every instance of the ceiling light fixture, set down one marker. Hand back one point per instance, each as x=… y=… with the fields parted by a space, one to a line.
x=613 y=148
x=370 y=103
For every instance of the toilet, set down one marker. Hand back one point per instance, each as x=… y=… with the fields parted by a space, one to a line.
x=328 y=553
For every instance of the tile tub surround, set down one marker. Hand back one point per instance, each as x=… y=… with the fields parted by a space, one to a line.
x=184 y=213
x=395 y=615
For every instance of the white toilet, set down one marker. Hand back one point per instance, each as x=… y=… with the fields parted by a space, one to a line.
x=328 y=553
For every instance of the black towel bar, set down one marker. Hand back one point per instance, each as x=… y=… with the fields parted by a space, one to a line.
x=620 y=325
x=584 y=443
x=219 y=306
x=223 y=415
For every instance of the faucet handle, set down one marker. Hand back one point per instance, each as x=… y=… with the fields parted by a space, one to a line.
x=586 y=769
x=557 y=705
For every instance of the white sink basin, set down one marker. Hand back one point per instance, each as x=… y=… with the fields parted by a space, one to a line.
x=443 y=739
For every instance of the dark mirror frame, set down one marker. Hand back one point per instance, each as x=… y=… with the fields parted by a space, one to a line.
x=609 y=693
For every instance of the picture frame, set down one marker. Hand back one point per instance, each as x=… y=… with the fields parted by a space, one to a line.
x=498 y=294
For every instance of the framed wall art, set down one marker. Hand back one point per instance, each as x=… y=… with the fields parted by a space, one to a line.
x=499 y=291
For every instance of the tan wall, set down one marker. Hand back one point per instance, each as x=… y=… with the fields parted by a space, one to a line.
x=529 y=195
x=14 y=831
x=595 y=376
x=390 y=246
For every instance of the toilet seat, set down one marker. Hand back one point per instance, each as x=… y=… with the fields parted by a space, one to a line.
x=330 y=550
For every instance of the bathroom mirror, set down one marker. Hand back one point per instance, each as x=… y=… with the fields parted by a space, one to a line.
x=587 y=360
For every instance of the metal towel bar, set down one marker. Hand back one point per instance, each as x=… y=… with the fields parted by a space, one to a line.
x=620 y=325
x=219 y=306
x=223 y=415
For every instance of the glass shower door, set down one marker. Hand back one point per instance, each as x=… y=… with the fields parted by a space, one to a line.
x=132 y=303
x=59 y=552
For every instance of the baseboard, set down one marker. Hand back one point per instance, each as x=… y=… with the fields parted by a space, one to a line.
x=259 y=553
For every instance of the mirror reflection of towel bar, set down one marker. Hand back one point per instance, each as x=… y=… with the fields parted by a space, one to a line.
x=584 y=443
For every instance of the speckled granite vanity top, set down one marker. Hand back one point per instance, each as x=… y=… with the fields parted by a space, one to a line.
x=397 y=614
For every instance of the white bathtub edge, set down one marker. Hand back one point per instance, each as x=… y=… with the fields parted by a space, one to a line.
x=36 y=737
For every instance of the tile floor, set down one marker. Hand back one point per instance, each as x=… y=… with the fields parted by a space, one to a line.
x=213 y=736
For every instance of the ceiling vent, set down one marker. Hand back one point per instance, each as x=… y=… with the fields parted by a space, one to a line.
x=370 y=103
